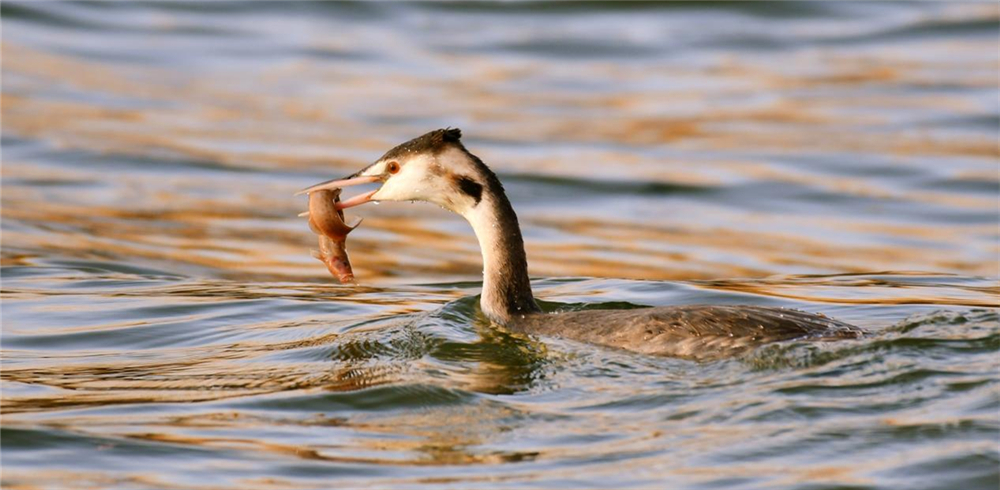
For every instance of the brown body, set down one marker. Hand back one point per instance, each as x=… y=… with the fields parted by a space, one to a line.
x=700 y=332
x=327 y=222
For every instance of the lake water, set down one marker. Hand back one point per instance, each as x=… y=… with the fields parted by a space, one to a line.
x=165 y=327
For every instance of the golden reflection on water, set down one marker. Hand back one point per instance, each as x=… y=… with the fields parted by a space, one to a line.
x=242 y=230
x=193 y=174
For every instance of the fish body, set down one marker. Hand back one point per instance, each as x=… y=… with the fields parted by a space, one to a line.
x=327 y=222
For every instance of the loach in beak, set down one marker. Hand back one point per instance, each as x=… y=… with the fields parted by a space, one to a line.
x=327 y=221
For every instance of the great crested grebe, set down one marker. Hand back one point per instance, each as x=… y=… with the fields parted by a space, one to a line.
x=437 y=168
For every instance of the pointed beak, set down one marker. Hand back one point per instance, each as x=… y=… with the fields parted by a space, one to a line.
x=340 y=183
x=356 y=200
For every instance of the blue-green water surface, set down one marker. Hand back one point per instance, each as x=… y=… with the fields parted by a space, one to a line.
x=164 y=326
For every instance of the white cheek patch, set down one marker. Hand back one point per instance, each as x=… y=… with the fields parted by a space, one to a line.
x=448 y=179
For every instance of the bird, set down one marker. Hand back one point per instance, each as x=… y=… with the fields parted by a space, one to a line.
x=436 y=167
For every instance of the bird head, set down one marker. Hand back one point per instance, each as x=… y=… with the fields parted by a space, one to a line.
x=434 y=167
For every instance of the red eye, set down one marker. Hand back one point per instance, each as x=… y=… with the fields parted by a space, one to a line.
x=392 y=167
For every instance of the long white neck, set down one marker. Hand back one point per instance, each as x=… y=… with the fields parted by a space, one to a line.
x=506 y=286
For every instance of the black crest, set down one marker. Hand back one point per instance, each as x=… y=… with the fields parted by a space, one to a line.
x=433 y=142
